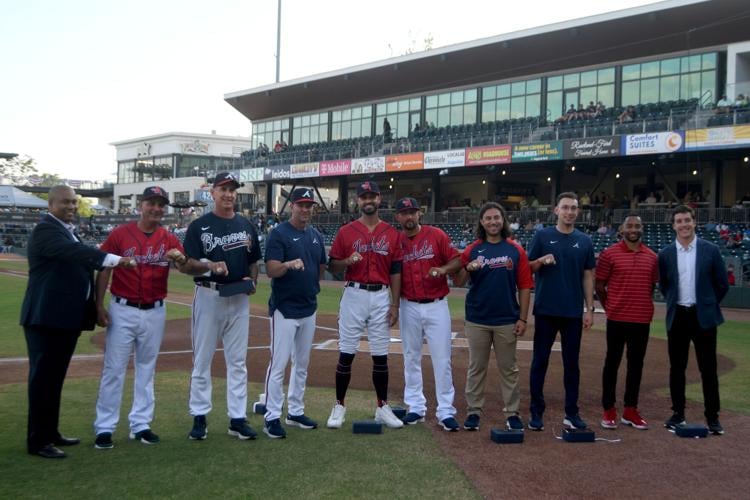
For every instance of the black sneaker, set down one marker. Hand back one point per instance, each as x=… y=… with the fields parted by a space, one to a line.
x=273 y=429
x=145 y=436
x=449 y=424
x=714 y=426
x=574 y=422
x=200 y=428
x=536 y=423
x=238 y=428
x=412 y=418
x=514 y=423
x=472 y=422
x=675 y=420
x=301 y=421
x=104 y=441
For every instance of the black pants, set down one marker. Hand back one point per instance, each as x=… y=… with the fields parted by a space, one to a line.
x=50 y=351
x=685 y=328
x=619 y=335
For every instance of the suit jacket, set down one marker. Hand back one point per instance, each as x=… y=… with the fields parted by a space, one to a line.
x=60 y=291
x=711 y=284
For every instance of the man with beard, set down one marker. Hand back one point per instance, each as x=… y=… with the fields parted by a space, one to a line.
x=625 y=277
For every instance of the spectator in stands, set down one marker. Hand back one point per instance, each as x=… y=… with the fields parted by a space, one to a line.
x=734 y=240
x=538 y=226
x=515 y=226
x=386 y=130
x=730 y=275
x=602 y=228
x=650 y=199
x=8 y=244
x=600 y=108
x=628 y=115
x=277 y=147
x=709 y=226
x=723 y=105
x=417 y=129
x=534 y=203
x=741 y=101
x=585 y=201
x=721 y=227
x=523 y=204
x=284 y=145
x=724 y=233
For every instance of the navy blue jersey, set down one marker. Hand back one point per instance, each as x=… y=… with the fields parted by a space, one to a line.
x=233 y=241
x=559 y=287
x=294 y=294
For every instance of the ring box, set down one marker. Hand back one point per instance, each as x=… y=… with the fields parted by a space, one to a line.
x=578 y=436
x=505 y=436
x=367 y=427
x=691 y=430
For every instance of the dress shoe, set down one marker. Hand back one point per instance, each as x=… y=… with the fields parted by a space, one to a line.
x=64 y=441
x=50 y=451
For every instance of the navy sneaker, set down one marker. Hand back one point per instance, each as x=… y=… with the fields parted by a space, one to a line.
x=200 y=428
x=238 y=428
x=449 y=424
x=714 y=426
x=301 y=421
x=412 y=418
x=472 y=422
x=574 y=422
x=273 y=429
x=536 y=423
x=145 y=436
x=675 y=420
x=514 y=423
x=104 y=441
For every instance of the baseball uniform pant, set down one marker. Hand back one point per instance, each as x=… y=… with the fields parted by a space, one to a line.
x=360 y=309
x=289 y=337
x=130 y=330
x=430 y=321
x=619 y=335
x=482 y=339
x=227 y=319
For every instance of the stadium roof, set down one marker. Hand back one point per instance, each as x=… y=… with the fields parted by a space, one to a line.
x=650 y=30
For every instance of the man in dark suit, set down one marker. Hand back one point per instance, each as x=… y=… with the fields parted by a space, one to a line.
x=693 y=279
x=58 y=304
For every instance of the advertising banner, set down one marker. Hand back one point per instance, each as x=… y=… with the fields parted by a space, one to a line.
x=276 y=173
x=651 y=143
x=402 y=162
x=372 y=165
x=538 y=151
x=718 y=138
x=251 y=174
x=335 y=167
x=300 y=170
x=487 y=155
x=592 y=148
x=445 y=159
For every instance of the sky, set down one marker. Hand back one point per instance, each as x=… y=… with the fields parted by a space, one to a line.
x=81 y=74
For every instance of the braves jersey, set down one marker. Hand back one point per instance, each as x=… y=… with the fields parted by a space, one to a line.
x=233 y=241
x=147 y=282
x=294 y=294
x=430 y=247
x=559 y=287
x=492 y=299
x=379 y=249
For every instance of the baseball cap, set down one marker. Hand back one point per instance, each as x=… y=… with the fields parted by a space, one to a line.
x=406 y=204
x=155 y=192
x=303 y=195
x=368 y=187
x=225 y=178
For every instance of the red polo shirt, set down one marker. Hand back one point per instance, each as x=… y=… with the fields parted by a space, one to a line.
x=629 y=277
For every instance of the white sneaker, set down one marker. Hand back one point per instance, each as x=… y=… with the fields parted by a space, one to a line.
x=336 y=420
x=384 y=415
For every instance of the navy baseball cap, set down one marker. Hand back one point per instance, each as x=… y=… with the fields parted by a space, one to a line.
x=407 y=203
x=155 y=192
x=303 y=195
x=368 y=187
x=226 y=178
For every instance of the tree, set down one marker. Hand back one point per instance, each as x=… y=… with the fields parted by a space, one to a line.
x=84 y=206
x=17 y=169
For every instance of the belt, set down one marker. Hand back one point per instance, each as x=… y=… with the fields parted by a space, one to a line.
x=426 y=301
x=139 y=305
x=370 y=287
x=209 y=284
x=686 y=308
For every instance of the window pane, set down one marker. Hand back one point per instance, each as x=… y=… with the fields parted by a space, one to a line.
x=305 y=136
x=470 y=112
x=517 y=107
x=695 y=84
x=430 y=116
x=554 y=83
x=488 y=93
x=392 y=108
x=336 y=132
x=695 y=63
x=444 y=116
x=367 y=111
x=571 y=81
x=314 y=135
x=306 y=120
x=517 y=88
x=709 y=61
x=470 y=95
x=631 y=72
x=337 y=116
x=346 y=130
x=444 y=100
x=650 y=90
x=403 y=105
x=708 y=85
x=297 y=121
x=588 y=78
x=356 y=113
x=670 y=66
x=650 y=69
x=606 y=75
x=346 y=114
x=488 y=111
x=432 y=101
x=669 y=88
x=534 y=86
x=314 y=119
x=503 y=110
x=277 y=125
x=532 y=104
x=415 y=104
x=503 y=90
x=554 y=105
x=457 y=97
x=457 y=115
x=323 y=117
x=606 y=94
x=630 y=93
x=588 y=96
x=380 y=109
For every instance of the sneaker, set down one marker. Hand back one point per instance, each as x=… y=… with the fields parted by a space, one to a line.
x=104 y=441
x=675 y=420
x=609 y=418
x=449 y=424
x=535 y=422
x=472 y=422
x=200 y=428
x=514 y=423
x=412 y=418
x=273 y=429
x=336 y=420
x=384 y=415
x=145 y=436
x=301 y=421
x=238 y=428
x=630 y=416
x=714 y=427
x=574 y=422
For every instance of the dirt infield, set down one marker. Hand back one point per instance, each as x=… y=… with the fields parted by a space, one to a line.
x=644 y=464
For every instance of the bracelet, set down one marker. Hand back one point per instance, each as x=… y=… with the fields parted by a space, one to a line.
x=524 y=321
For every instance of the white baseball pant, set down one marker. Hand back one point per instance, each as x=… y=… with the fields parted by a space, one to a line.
x=429 y=321
x=360 y=309
x=289 y=337
x=219 y=318
x=130 y=329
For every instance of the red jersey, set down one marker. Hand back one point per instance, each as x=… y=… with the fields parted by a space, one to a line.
x=379 y=249
x=148 y=281
x=430 y=247
x=629 y=277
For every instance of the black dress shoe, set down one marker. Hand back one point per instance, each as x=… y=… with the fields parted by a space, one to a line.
x=63 y=441
x=50 y=451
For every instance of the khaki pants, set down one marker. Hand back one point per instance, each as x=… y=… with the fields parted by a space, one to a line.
x=481 y=340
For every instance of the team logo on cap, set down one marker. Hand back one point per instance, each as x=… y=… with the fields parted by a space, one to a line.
x=157 y=190
x=366 y=186
x=406 y=203
x=230 y=177
x=306 y=194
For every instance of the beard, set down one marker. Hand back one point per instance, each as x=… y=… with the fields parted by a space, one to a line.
x=369 y=209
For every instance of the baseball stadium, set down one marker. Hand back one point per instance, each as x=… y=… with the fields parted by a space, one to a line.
x=636 y=111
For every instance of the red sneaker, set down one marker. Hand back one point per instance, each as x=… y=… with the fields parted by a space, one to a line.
x=631 y=417
x=609 y=419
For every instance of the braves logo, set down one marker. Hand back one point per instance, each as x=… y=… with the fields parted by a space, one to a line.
x=226 y=242
x=379 y=247
x=496 y=262
x=424 y=252
x=152 y=257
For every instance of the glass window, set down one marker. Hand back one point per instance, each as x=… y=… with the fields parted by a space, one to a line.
x=695 y=63
x=306 y=120
x=670 y=66
x=534 y=86
x=367 y=111
x=503 y=90
x=444 y=100
x=533 y=104
x=669 y=88
x=630 y=93
x=554 y=105
x=444 y=116
x=708 y=85
x=709 y=61
x=517 y=107
x=297 y=121
x=392 y=107
x=415 y=104
x=488 y=111
x=571 y=81
x=430 y=116
x=588 y=95
x=457 y=97
x=518 y=88
x=649 y=91
x=503 y=110
x=457 y=115
x=337 y=116
x=631 y=72
x=554 y=83
x=403 y=105
x=380 y=109
x=356 y=113
x=606 y=75
x=650 y=69
x=606 y=95
x=470 y=112
x=432 y=101
x=346 y=130
x=470 y=95
x=346 y=114
x=488 y=93
x=588 y=78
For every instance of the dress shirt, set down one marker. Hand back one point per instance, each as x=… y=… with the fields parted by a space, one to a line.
x=686 y=272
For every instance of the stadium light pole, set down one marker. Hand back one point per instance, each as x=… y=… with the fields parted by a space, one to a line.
x=278 y=42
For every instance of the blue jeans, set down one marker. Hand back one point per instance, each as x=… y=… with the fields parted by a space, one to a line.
x=545 y=331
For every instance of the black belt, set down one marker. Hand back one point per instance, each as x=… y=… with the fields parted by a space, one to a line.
x=425 y=301
x=139 y=305
x=686 y=308
x=370 y=287
x=210 y=284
